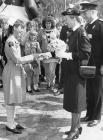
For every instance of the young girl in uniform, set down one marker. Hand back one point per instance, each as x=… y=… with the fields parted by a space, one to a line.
x=13 y=76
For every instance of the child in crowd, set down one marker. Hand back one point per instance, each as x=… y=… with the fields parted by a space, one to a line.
x=35 y=25
x=33 y=69
x=32 y=25
x=45 y=37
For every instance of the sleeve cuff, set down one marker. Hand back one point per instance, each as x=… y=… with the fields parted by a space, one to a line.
x=69 y=56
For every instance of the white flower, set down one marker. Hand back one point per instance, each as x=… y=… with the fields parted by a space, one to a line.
x=57 y=45
x=90 y=36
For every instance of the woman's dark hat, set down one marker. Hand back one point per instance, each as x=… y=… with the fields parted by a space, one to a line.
x=74 y=12
x=88 y=5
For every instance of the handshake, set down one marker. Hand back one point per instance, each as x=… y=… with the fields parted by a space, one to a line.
x=45 y=55
x=66 y=55
x=58 y=54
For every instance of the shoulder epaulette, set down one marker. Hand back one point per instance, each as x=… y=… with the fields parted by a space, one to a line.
x=101 y=19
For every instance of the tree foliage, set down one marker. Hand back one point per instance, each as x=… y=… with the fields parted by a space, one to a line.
x=55 y=7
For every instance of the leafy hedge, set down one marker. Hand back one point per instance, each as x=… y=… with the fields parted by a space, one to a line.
x=55 y=7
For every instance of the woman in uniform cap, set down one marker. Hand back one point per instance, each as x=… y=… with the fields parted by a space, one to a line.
x=75 y=86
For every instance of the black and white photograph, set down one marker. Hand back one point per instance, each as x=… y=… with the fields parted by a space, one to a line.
x=51 y=69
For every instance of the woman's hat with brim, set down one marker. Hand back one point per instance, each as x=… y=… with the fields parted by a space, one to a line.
x=73 y=12
x=88 y=5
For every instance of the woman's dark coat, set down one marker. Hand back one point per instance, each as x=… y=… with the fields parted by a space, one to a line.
x=74 y=85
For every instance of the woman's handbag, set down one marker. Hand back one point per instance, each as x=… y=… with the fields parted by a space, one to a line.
x=87 y=71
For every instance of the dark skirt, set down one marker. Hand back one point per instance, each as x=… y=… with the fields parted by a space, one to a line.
x=74 y=90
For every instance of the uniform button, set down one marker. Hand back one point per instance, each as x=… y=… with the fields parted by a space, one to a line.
x=13 y=1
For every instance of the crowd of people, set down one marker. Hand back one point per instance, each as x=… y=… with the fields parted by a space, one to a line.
x=45 y=50
x=35 y=39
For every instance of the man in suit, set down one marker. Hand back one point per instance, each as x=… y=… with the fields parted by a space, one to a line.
x=94 y=30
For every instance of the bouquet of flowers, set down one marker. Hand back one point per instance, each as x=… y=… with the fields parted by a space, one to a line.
x=57 y=45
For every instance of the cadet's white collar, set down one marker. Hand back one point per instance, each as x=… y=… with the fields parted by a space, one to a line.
x=76 y=27
x=93 y=20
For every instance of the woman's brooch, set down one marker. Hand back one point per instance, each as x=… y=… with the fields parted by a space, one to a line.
x=90 y=36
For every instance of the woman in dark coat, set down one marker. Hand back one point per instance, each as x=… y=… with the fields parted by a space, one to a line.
x=74 y=85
